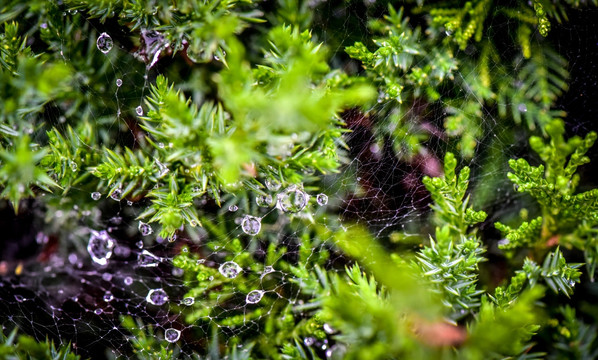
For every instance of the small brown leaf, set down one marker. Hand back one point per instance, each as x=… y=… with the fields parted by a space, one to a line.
x=438 y=334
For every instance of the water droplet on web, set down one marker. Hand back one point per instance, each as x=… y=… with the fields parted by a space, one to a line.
x=292 y=199
x=107 y=276
x=230 y=269
x=273 y=184
x=188 y=301
x=233 y=208
x=309 y=341
x=322 y=199
x=263 y=200
x=157 y=297
x=448 y=32
x=145 y=229
x=115 y=195
x=254 y=296
x=161 y=145
x=328 y=329
x=98 y=311
x=267 y=270
x=177 y=272
x=100 y=246
x=172 y=238
x=73 y=166
x=96 y=195
x=128 y=280
x=200 y=261
x=104 y=43
x=251 y=225
x=147 y=259
x=139 y=244
x=172 y=335
x=108 y=296
x=139 y=110
x=119 y=82
x=522 y=108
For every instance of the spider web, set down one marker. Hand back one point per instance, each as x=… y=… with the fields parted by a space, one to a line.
x=71 y=297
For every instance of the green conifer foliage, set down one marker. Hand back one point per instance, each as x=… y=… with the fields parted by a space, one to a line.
x=259 y=139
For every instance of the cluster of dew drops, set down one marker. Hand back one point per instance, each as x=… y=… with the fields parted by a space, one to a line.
x=291 y=200
x=104 y=43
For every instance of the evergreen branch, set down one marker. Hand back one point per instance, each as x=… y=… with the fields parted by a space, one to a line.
x=19 y=171
x=463 y=23
x=69 y=155
x=11 y=47
x=26 y=347
x=172 y=208
x=555 y=272
x=131 y=173
x=454 y=270
x=448 y=193
x=526 y=234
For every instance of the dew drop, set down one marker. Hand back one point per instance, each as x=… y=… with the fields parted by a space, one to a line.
x=98 y=311
x=108 y=296
x=273 y=184
x=128 y=280
x=172 y=238
x=233 y=208
x=230 y=269
x=251 y=225
x=100 y=247
x=200 y=261
x=73 y=166
x=292 y=199
x=322 y=199
x=139 y=110
x=104 y=43
x=147 y=259
x=178 y=272
x=145 y=229
x=119 y=82
x=522 y=108
x=116 y=193
x=254 y=296
x=157 y=297
x=267 y=270
x=172 y=335
x=139 y=244
x=328 y=329
x=96 y=195
x=188 y=301
x=309 y=341
x=263 y=200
